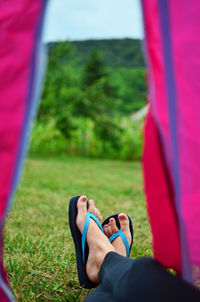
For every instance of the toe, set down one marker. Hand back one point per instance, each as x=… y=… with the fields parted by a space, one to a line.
x=113 y=225
x=82 y=204
x=82 y=211
x=124 y=226
x=92 y=209
x=124 y=222
x=105 y=230
x=91 y=206
x=109 y=230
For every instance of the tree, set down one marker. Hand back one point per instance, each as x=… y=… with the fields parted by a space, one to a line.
x=99 y=95
x=100 y=99
x=61 y=88
x=131 y=88
x=94 y=69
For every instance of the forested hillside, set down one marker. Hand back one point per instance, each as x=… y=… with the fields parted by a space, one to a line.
x=114 y=52
x=90 y=91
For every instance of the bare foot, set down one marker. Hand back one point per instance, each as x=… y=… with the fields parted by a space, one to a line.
x=111 y=228
x=98 y=243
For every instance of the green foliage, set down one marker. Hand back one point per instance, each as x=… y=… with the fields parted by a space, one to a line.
x=101 y=100
x=82 y=108
x=115 y=52
x=61 y=89
x=47 y=139
x=131 y=88
x=94 y=69
x=126 y=67
x=132 y=139
x=123 y=143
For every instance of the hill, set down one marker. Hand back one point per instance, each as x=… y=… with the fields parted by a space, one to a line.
x=115 y=52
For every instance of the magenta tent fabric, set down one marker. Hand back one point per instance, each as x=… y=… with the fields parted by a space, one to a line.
x=160 y=206
x=20 y=77
x=173 y=56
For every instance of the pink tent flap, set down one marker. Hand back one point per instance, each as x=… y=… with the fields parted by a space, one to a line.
x=20 y=66
x=173 y=46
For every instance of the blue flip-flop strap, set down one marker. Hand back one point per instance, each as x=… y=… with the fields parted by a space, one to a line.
x=121 y=234
x=85 y=229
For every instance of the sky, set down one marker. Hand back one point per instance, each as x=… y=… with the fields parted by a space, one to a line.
x=93 y=19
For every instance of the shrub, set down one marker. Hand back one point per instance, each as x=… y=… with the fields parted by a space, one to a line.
x=83 y=141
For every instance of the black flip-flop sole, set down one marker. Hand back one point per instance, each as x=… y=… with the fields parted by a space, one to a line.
x=115 y=216
x=76 y=235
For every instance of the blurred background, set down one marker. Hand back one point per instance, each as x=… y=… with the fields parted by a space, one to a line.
x=94 y=96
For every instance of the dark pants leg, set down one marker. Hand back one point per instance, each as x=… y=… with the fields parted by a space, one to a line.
x=140 y=280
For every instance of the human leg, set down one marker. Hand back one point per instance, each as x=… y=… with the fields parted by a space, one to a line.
x=139 y=280
x=124 y=279
x=142 y=279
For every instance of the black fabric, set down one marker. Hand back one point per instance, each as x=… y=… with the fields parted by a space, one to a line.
x=139 y=280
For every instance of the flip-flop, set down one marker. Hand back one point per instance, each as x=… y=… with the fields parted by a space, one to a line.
x=80 y=243
x=120 y=233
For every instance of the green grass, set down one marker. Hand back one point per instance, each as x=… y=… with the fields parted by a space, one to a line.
x=39 y=252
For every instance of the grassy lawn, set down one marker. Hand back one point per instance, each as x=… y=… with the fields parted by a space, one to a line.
x=39 y=252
